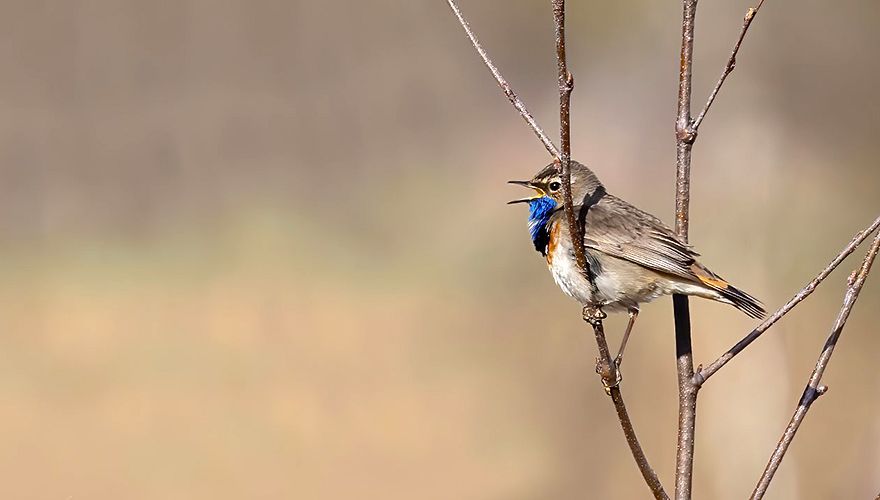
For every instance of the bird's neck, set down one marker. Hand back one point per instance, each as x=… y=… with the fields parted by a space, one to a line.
x=540 y=210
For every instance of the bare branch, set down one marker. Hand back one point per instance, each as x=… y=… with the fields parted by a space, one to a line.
x=566 y=85
x=813 y=389
x=805 y=292
x=636 y=448
x=605 y=366
x=687 y=399
x=687 y=391
x=731 y=64
x=684 y=138
x=508 y=91
x=607 y=369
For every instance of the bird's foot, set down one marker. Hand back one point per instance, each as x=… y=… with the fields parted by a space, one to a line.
x=610 y=375
x=593 y=314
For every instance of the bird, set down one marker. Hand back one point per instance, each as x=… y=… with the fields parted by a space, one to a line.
x=632 y=257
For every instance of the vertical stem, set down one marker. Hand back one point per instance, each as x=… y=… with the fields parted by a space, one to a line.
x=606 y=365
x=687 y=398
x=685 y=135
x=566 y=85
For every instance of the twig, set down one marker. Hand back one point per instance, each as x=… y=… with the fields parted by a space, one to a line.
x=813 y=389
x=731 y=64
x=508 y=91
x=687 y=390
x=608 y=371
x=566 y=85
x=687 y=398
x=704 y=374
x=636 y=448
x=605 y=365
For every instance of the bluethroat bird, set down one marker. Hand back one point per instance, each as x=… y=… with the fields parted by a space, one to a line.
x=632 y=256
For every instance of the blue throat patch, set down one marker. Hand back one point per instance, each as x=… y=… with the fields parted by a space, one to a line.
x=540 y=210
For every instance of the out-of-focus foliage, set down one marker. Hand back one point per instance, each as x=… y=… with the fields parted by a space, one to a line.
x=260 y=249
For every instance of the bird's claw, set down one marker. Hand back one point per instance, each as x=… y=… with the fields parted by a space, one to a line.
x=606 y=373
x=593 y=314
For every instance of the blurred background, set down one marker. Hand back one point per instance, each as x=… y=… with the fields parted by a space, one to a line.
x=260 y=249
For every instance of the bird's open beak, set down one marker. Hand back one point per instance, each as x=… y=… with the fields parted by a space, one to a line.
x=538 y=192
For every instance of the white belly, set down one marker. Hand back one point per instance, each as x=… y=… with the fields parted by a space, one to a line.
x=619 y=284
x=566 y=274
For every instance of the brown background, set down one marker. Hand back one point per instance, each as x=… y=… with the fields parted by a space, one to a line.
x=260 y=249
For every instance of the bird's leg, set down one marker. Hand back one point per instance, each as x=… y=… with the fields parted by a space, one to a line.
x=594 y=315
x=633 y=314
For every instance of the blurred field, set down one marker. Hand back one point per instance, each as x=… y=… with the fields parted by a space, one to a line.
x=260 y=249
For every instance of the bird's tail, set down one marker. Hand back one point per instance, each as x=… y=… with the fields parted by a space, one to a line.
x=743 y=301
x=729 y=293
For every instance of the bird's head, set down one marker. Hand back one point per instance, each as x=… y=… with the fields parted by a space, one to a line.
x=547 y=185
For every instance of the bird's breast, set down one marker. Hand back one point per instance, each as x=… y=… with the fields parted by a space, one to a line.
x=563 y=265
x=552 y=242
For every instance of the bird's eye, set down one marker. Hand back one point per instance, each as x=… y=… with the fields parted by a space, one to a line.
x=554 y=186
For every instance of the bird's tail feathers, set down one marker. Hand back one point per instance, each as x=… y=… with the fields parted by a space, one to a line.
x=744 y=302
x=729 y=293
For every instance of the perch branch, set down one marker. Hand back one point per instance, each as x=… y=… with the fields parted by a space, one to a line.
x=610 y=375
x=566 y=85
x=641 y=460
x=508 y=91
x=704 y=374
x=687 y=390
x=813 y=389
x=605 y=365
x=731 y=64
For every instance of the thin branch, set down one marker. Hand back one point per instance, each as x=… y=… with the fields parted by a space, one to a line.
x=508 y=91
x=566 y=84
x=608 y=371
x=685 y=135
x=731 y=64
x=813 y=389
x=605 y=366
x=704 y=374
x=687 y=390
x=641 y=460
x=684 y=138
x=687 y=398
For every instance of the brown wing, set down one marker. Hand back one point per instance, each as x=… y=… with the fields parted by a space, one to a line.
x=617 y=228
